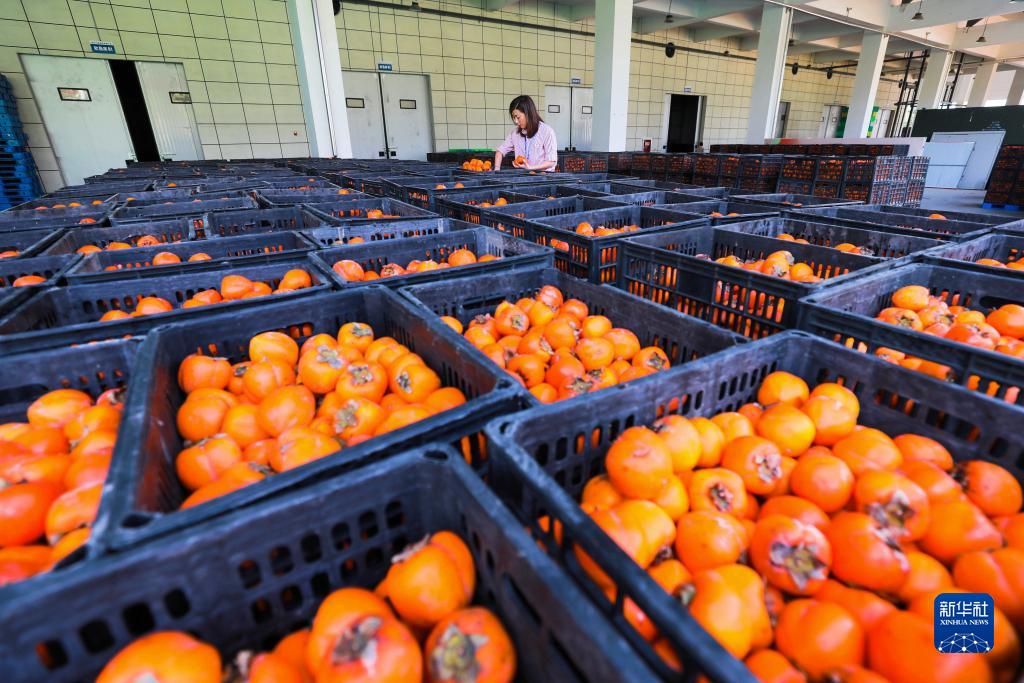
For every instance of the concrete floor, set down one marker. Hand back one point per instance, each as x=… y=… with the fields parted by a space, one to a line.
x=962 y=200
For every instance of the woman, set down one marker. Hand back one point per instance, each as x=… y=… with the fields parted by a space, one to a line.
x=532 y=141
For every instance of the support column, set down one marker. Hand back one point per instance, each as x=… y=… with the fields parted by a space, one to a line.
x=865 y=84
x=982 y=84
x=318 y=62
x=613 y=23
x=772 y=45
x=1016 y=94
x=933 y=84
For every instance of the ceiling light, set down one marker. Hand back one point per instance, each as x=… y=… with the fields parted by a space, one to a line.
x=796 y=68
x=917 y=17
x=828 y=73
x=415 y=6
x=981 y=39
x=668 y=18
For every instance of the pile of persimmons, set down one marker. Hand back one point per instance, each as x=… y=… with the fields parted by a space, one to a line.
x=232 y=288
x=144 y=241
x=779 y=264
x=353 y=272
x=417 y=626
x=288 y=405
x=476 y=165
x=812 y=547
x=915 y=308
x=162 y=258
x=845 y=247
x=556 y=349
x=52 y=469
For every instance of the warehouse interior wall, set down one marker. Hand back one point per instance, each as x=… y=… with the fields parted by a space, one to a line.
x=237 y=54
x=476 y=67
x=239 y=61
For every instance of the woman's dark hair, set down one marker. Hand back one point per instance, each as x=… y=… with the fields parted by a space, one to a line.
x=524 y=103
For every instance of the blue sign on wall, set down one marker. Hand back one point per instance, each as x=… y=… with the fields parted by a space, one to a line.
x=103 y=48
x=575 y=81
x=384 y=66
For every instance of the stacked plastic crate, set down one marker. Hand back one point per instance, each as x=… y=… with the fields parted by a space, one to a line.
x=1006 y=184
x=19 y=180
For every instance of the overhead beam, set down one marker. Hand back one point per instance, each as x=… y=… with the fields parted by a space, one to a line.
x=497 y=5
x=726 y=26
x=823 y=29
x=947 y=12
x=995 y=34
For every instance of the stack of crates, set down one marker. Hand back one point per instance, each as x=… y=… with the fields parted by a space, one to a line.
x=915 y=188
x=19 y=181
x=1006 y=183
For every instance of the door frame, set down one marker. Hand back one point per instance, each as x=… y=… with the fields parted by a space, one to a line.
x=666 y=115
x=572 y=89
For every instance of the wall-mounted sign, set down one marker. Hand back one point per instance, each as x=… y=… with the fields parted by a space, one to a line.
x=74 y=94
x=575 y=80
x=103 y=48
x=181 y=97
x=554 y=109
x=406 y=104
x=687 y=88
x=384 y=66
x=586 y=110
x=355 y=103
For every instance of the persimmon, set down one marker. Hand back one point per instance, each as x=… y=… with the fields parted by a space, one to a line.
x=937 y=484
x=197 y=371
x=756 y=460
x=712 y=441
x=469 y=643
x=57 y=408
x=865 y=554
x=895 y=502
x=1000 y=573
x=706 y=539
x=430 y=580
x=793 y=556
x=71 y=510
x=958 y=527
x=868 y=449
x=681 y=439
x=320 y=368
x=915 y=448
x=769 y=666
x=723 y=610
x=819 y=636
x=926 y=575
x=98 y=417
x=303 y=449
x=866 y=607
x=992 y=488
x=262 y=377
x=204 y=462
x=201 y=417
x=800 y=509
x=415 y=383
x=274 y=345
x=651 y=357
x=363 y=380
x=97 y=442
x=718 y=489
x=23 y=511
x=823 y=479
x=782 y=387
x=1012 y=529
x=237 y=476
x=626 y=343
x=900 y=647
x=165 y=656
x=638 y=463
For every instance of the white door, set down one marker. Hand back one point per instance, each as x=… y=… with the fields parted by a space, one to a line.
x=365 y=114
x=557 y=112
x=780 y=122
x=169 y=104
x=884 y=116
x=582 y=118
x=407 y=119
x=82 y=114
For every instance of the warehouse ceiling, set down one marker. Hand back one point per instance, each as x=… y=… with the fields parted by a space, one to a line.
x=830 y=31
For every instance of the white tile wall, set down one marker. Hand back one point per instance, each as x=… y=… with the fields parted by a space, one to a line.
x=237 y=55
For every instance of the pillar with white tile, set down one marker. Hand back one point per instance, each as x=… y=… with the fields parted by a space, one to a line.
x=933 y=84
x=315 y=39
x=772 y=45
x=1016 y=94
x=865 y=84
x=613 y=27
x=982 y=84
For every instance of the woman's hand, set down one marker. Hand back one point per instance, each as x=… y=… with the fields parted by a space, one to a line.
x=519 y=162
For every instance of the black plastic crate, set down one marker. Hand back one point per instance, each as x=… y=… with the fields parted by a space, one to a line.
x=792 y=201
x=681 y=337
x=167 y=231
x=652 y=197
x=513 y=254
x=518 y=218
x=1003 y=247
x=278 y=197
x=596 y=258
x=724 y=210
x=620 y=162
x=27 y=242
x=542 y=458
x=468 y=205
x=252 y=221
x=356 y=211
x=425 y=195
x=959 y=216
x=150 y=197
x=15 y=220
x=337 y=235
x=672 y=186
x=144 y=468
x=676 y=269
x=847 y=314
x=51 y=268
x=194 y=208
x=105 y=266
x=92 y=368
x=876 y=243
x=907 y=224
x=245 y=581
x=58 y=316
